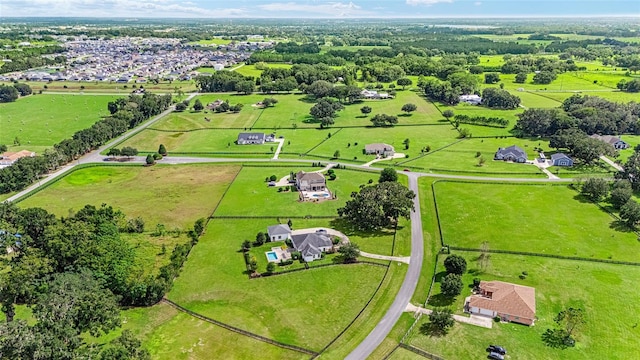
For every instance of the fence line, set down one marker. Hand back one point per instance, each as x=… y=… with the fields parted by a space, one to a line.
x=240 y=331
x=420 y=352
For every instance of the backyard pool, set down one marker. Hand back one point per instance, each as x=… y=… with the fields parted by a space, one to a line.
x=324 y=195
x=272 y=256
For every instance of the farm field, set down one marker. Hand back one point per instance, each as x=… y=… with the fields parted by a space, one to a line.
x=544 y=219
x=609 y=331
x=170 y=334
x=40 y=121
x=304 y=308
x=175 y=196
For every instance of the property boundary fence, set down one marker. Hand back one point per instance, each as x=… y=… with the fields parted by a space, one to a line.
x=240 y=331
x=420 y=352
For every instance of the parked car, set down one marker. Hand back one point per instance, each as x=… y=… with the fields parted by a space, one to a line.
x=495 y=356
x=406 y=170
x=497 y=349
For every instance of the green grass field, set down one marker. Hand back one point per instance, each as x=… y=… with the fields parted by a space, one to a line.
x=40 y=121
x=250 y=70
x=110 y=88
x=533 y=218
x=610 y=329
x=175 y=196
x=304 y=308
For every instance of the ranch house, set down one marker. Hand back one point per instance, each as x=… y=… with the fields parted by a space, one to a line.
x=280 y=232
x=379 y=149
x=561 y=159
x=311 y=245
x=511 y=153
x=614 y=141
x=510 y=302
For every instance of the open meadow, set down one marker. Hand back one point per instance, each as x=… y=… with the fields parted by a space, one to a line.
x=175 y=196
x=533 y=218
x=602 y=290
x=40 y=121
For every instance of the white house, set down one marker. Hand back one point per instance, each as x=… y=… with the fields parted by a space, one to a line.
x=218 y=67
x=310 y=181
x=279 y=232
x=472 y=99
x=379 y=149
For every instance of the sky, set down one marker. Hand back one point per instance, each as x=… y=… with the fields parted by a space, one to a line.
x=317 y=8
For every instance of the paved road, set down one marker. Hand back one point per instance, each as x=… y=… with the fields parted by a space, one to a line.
x=388 y=321
x=610 y=162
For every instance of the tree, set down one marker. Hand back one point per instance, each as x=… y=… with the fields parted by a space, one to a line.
x=23 y=89
x=384 y=120
x=621 y=193
x=448 y=114
x=595 y=189
x=113 y=152
x=498 y=98
x=388 y=175
x=261 y=238
x=3 y=148
x=245 y=86
x=273 y=178
x=319 y=89
x=125 y=347
x=150 y=160
x=409 y=108
x=544 y=77
x=128 y=151
x=325 y=110
x=181 y=106
x=406 y=143
x=440 y=320
x=349 y=252
x=404 y=82
x=271 y=267
x=629 y=86
x=8 y=94
x=491 y=78
x=197 y=105
x=336 y=154
x=365 y=110
x=455 y=264
x=246 y=245
x=451 y=285
x=162 y=150
x=378 y=206
x=630 y=213
x=521 y=77
x=568 y=321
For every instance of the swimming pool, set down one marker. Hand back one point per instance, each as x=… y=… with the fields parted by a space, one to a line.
x=272 y=256
x=320 y=195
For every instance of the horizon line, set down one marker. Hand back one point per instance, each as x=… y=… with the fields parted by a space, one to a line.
x=430 y=17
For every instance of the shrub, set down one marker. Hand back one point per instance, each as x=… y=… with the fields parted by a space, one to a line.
x=497 y=319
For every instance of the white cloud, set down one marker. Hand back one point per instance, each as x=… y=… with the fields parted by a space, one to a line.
x=329 y=8
x=427 y=2
x=477 y=3
x=112 y=8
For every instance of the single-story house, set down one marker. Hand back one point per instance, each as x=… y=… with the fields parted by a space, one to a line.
x=8 y=158
x=279 y=232
x=311 y=245
x=372 y=94
x=310 y=181
x=510 y=302
x=250 y=138
x=218 y=67
x=561 y=159
x=614 y=141
x=379 y=149
x=215 y=104
x=472 y=99
x=511 y=153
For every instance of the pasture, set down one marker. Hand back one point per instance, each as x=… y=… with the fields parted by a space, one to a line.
x=40 y=121
x=533 y=218
x=250 y=70
x=175 y=196
x=80 y=87
x=305 y=308
x=610 y=329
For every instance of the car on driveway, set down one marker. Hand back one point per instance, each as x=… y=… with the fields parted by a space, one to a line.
x=406 y=170
x=495 y=356
x=497 y=349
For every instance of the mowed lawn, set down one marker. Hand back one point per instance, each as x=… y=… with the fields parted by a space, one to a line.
x=170 y=334
x=250 y=195
x=40 y=121
x=605 y=292
x=533 y=218
x=175 y=196
x=306 y=308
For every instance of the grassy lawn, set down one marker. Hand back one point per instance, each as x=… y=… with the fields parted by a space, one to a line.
x=544 y=219
x=306 y=308
x=149 y=255
x=462 y=157
x=609 y=330
x=170 y=334
x=249 y=194
x=40 y=121
x=175 y=196
x=250 y=70
x=110 y=88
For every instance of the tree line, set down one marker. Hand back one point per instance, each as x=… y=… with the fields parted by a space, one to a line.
x=126 y=113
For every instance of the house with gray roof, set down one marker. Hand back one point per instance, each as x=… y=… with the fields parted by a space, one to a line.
x=614 y=141
x=310 y=181
x=279 y=232
x=561 y=159
x=511 y=153
x=250 y=138
x=379 y=149
x=311 y=245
